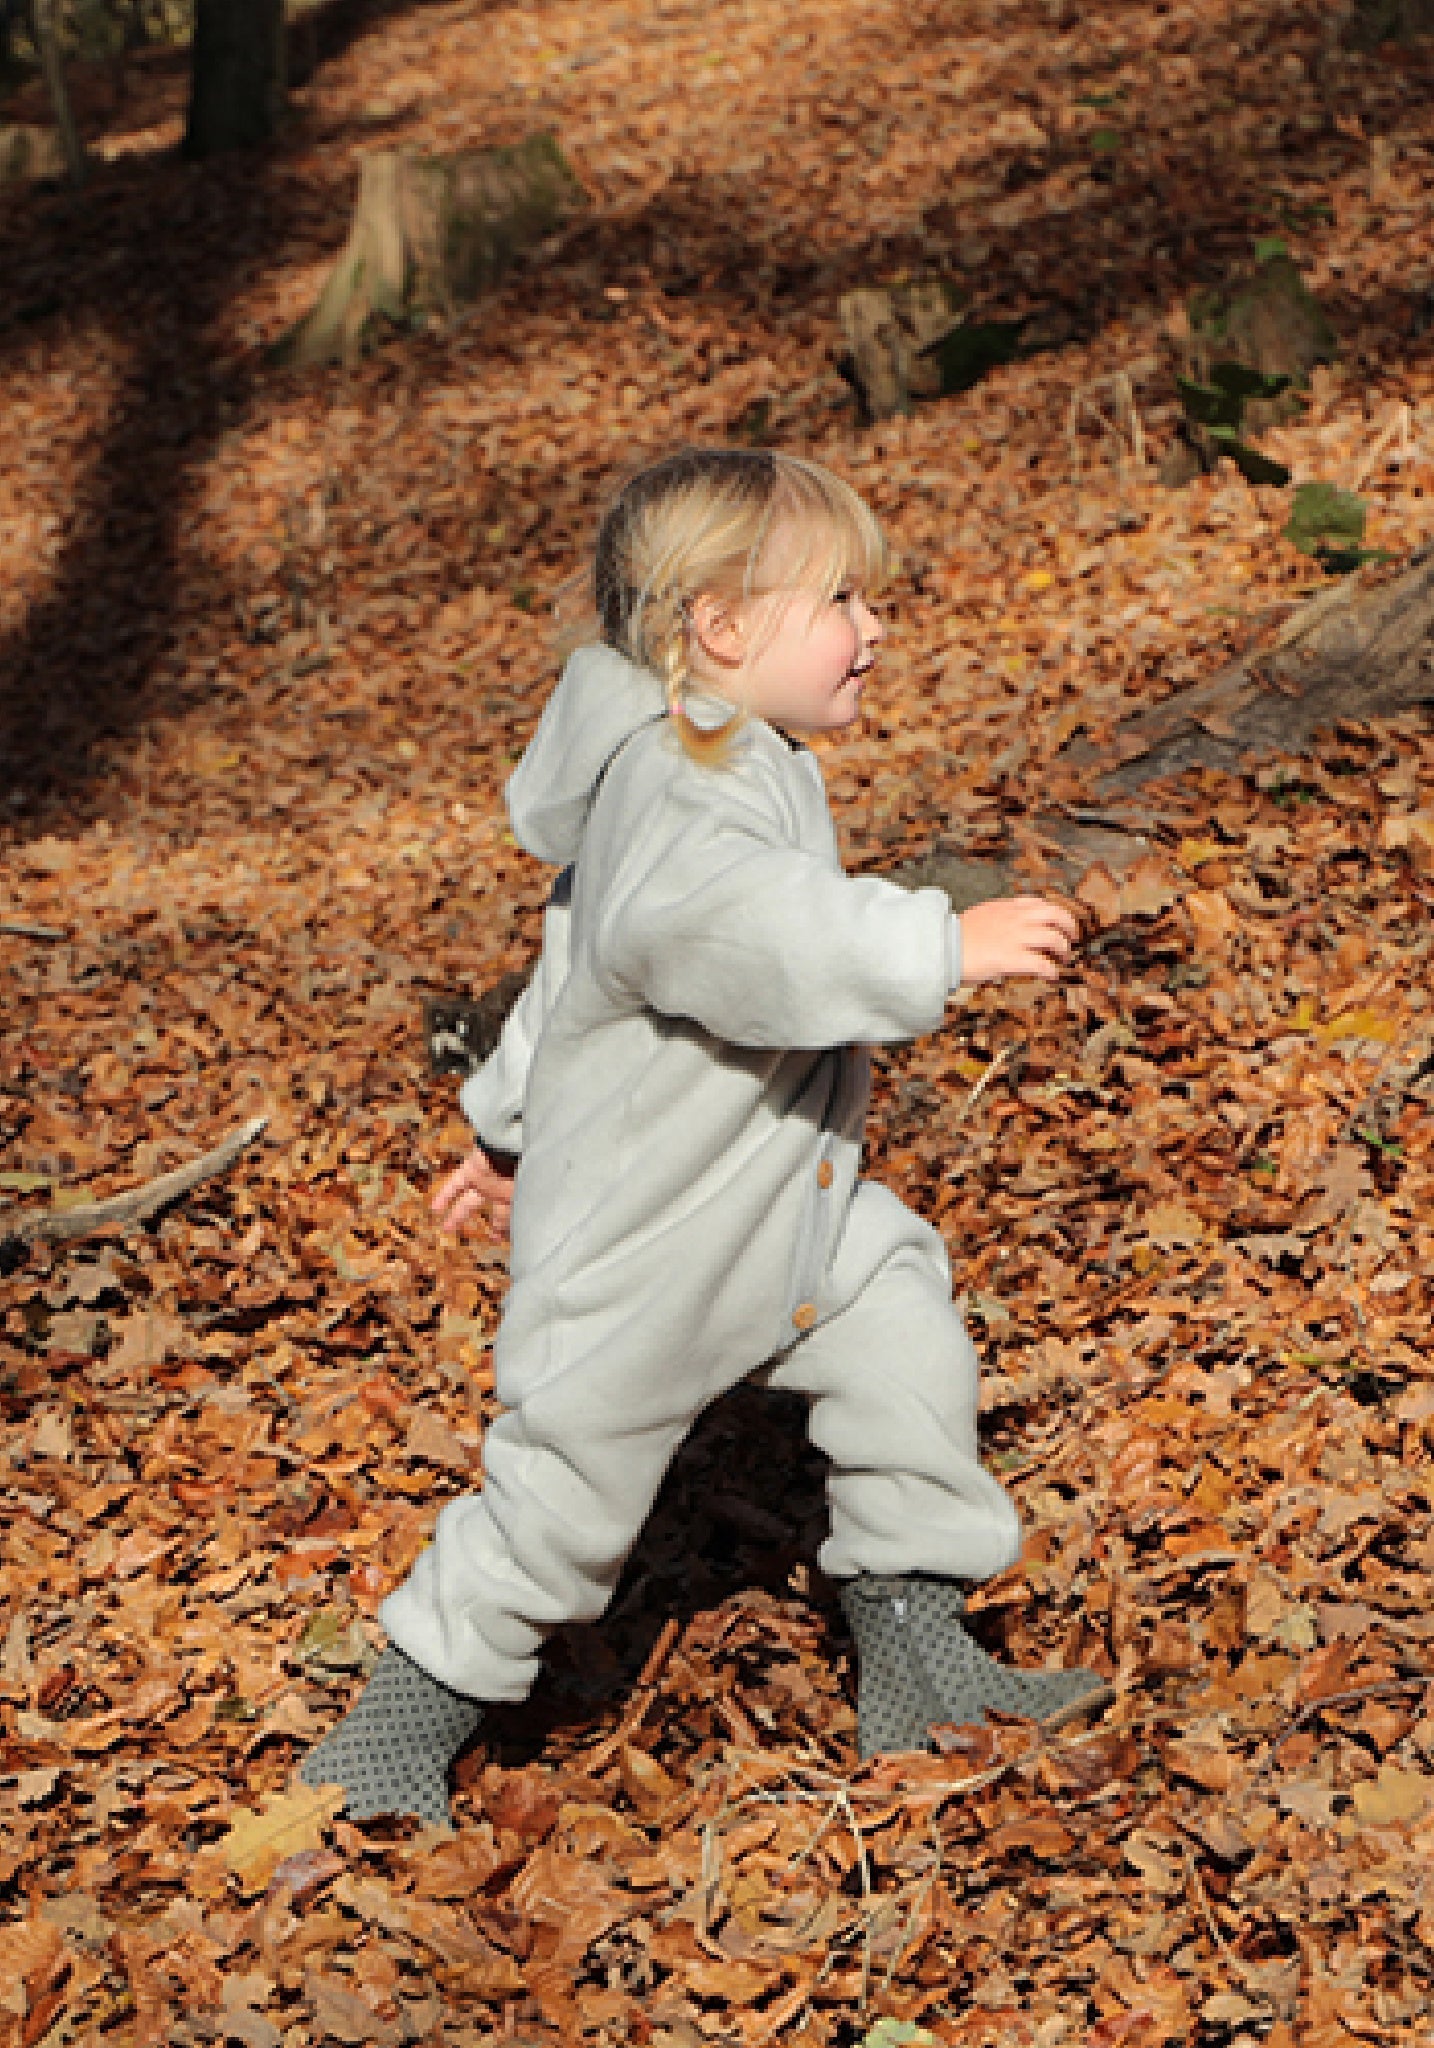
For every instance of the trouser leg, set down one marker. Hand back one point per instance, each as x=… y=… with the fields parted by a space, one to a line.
x=571 y=1474
x=891 y=1375
x=569 y=1480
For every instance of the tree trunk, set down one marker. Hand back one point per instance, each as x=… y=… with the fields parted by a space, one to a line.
x=430 y=234
x=1349 y=653
x=237 y=79
x=1374 y=22
x=48 y=39
x=28 y=155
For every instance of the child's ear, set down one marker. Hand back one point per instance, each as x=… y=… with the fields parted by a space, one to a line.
x=717 y=627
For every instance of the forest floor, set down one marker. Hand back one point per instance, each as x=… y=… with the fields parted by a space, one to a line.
x=270 y=643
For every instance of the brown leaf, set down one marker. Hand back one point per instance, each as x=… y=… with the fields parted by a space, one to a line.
x=259 y=1839
x=430 y=1438
x=1157 y=1862
x=1099 y=891
x=645 y=1782
x=27 y=1948
x=1214 y=918
x=344 y=2015
x=305 y=1874
x=144 y=1341
x=251 y=2029
x=523 y=1802
x=1042 y=1834
x=1205 y=1763
x=735 y=1984
x=1394 y=1798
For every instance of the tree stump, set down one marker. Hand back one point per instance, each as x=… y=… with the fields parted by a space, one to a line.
x=911 y=341
x=28 y=155
x=431 y=234
x=1268 y=322
x=888 y=334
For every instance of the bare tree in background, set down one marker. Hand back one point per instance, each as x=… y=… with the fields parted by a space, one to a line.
x=47 y=42
x=237 y=86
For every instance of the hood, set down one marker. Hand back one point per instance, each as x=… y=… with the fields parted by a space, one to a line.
x=601 y=700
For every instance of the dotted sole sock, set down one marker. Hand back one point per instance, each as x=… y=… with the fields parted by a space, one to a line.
x=392 y=1750
x=918 y=1666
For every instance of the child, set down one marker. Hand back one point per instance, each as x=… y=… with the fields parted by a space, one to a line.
x=685 y=1079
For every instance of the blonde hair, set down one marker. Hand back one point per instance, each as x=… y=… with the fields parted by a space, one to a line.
x=702 y=522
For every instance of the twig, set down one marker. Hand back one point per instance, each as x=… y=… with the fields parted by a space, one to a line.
x=917 y=1907
x=997 y=1067
x=1207 y=1914
x=643 y=1694
x=1385 y=1689
x=140 y=1202
x=864 y=1866
x=1397 y=425
x=16 y=928
x=799 y=1856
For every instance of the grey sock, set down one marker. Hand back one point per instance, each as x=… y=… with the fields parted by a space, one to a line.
x=917 y=1666
x=392 y=1750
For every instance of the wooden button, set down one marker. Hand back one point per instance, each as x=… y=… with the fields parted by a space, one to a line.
x=805 y=1314
x=826 y=1174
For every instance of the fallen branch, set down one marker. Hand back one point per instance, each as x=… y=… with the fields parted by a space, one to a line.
x=139 y=1203
x=12 y=928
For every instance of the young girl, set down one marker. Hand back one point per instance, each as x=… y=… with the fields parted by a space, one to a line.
x=685 y=1080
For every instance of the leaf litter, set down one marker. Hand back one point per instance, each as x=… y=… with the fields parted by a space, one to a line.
x=1187 y=1193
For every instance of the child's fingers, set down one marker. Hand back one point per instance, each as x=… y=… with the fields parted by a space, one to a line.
x=473 y=1208
x=452 y=1190
x=1050 y=917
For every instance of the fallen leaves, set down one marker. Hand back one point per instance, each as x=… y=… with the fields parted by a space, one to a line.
x=289 y=1825
x=1187 y=1195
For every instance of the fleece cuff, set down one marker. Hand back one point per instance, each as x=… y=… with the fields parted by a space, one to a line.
x=954 y=955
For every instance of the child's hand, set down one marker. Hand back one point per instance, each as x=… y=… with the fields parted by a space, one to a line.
x=1015 y=935
x=480 y=1191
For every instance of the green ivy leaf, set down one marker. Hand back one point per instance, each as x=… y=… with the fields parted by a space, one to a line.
x=1325 y=519
x=1105 y=141
x=1269 y=246
x=1340 y=561
x=1254 y=467
x=1238 y=381
x=1209 y=407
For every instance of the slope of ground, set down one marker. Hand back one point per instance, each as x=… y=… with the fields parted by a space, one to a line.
x=268 y=647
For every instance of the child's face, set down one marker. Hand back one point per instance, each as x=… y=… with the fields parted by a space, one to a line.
x=794 y=657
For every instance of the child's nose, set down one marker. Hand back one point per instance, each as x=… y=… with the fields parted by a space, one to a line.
x=868 y=624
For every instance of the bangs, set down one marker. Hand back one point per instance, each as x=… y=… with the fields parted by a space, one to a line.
x=819 y=536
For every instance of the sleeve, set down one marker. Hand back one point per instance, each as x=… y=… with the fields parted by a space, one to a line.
x=769 y=946
x=492 y=1099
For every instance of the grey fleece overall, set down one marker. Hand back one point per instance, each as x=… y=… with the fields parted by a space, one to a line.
x=686 y=1081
